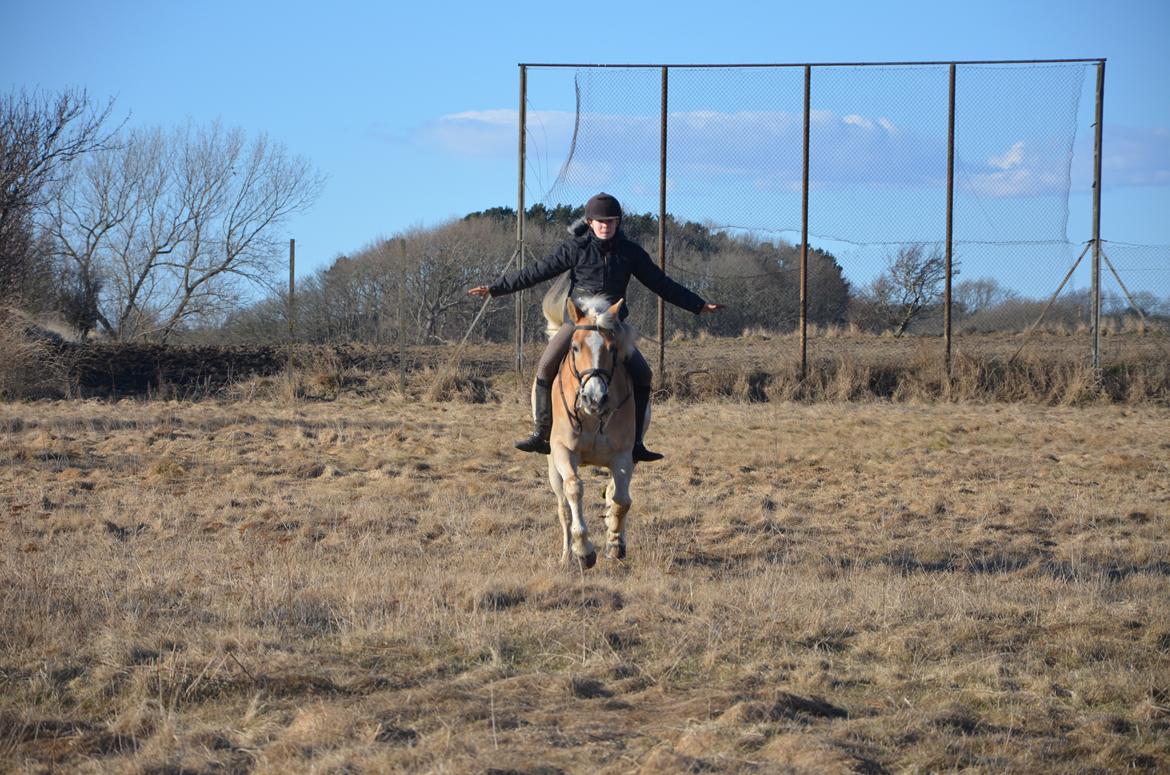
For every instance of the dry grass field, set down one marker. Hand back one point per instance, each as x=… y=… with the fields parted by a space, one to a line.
x=371 y=585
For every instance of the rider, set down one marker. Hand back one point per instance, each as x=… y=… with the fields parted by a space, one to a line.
x=600 y=260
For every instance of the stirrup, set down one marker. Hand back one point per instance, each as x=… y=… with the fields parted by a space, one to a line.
x=643 y=455
x=537 y=442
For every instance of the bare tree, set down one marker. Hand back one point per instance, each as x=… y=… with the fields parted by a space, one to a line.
x=40 y=137
x=983 y=293
x=169 y=229
x=911 y=286
x=441 y=265
x=112 y=223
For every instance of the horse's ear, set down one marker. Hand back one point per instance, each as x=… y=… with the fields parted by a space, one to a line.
x=616 y=309
x=574 y=313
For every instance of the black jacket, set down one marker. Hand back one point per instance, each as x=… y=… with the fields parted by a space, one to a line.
x=601 y=268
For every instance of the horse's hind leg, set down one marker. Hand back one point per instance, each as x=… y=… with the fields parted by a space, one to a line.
x=617 y=494
x=558 y=488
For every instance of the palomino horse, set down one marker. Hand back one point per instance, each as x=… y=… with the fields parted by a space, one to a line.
x=593 y=424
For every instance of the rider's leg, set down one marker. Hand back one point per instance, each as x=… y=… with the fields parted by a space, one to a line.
x=546 y=371
x=641 y=377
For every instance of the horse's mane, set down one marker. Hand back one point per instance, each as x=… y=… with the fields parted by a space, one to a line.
x=625 y=334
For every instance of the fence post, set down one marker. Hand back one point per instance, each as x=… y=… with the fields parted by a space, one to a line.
x=662 y=230
x=292 y=264
x=520 y=218
x=401 y=324
x=950 y=222
x=804 y=228
x=1096 y=301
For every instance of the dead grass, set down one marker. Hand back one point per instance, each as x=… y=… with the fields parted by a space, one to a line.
x=843 y=365
x=28 y=366
x=371 y=585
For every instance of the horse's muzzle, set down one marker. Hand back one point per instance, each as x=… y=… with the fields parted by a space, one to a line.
x=594 y=403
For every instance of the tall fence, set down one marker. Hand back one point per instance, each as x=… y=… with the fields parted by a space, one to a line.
x=947 y=200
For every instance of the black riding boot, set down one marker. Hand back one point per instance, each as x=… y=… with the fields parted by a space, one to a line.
x=542 y=420
x=641 y=401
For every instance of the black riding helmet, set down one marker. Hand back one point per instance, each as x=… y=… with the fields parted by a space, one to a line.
x=602 y=206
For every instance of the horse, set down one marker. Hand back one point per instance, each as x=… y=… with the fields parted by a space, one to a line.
x=592 y=424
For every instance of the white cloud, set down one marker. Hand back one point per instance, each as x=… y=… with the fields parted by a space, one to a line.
x=1015 y=182
x=1010 y=159
x=716 y=147
x=499 y=117
x=490 y=132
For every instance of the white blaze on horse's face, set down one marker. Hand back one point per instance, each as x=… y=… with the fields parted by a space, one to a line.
x=593 y=355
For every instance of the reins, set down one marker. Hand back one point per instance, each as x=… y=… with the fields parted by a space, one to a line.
x=582 y=377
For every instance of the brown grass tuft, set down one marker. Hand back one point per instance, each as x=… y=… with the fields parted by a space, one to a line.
x=31 y=366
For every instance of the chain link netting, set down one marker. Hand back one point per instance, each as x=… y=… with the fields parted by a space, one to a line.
x=877 y=180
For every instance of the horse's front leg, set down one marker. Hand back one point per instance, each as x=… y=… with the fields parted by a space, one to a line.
x=617 y=493
x=567 y=463
x=558 y=488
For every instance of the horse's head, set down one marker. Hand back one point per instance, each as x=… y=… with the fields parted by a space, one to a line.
x=599 y=344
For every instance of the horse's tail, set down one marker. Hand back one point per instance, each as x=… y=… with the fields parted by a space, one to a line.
x=554 y=304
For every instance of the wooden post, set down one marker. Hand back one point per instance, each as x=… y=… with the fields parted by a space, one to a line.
x=401 y=326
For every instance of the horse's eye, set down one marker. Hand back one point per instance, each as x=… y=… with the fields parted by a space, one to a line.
x=576 y=347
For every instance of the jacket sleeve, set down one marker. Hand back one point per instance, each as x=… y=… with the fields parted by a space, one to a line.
x=650 y=275
x=560 y=260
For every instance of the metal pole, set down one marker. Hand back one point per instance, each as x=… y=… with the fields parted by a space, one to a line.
x=804 y=228
x=520 y=217
x=1051 y=301
x=756 y=65
x=662 y=231
x=950 y=222
x=1096 y=311
x=1128 y=295
x=292 y=268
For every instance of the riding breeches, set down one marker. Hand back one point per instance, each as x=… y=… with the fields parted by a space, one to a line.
x=558 y=347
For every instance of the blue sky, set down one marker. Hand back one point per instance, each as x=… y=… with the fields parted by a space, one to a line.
x=368 y=90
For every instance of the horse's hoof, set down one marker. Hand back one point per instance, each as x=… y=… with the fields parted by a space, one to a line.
x=615 y=552
x=588 y=561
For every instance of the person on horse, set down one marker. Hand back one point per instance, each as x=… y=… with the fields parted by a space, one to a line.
x=600 y=260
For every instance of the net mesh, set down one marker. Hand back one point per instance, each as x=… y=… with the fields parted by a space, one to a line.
x=877 y=201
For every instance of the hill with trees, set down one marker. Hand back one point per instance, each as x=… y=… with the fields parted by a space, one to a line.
x=418 y=281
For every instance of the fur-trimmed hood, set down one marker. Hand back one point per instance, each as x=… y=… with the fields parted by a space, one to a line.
x=579 y=227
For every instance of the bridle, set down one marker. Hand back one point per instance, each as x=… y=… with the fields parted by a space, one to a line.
x=583 y=377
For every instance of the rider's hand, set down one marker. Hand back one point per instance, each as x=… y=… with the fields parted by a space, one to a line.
x=481 y=291
x=708 y=308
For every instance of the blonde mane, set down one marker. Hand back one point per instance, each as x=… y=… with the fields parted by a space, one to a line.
x=625 y=334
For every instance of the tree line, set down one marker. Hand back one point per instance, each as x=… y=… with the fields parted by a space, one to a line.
x=155 y=234
x=413 y=288
x=137 y=234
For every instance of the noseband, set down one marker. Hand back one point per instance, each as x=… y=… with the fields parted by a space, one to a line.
x=606 y=375
x=583 y=377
